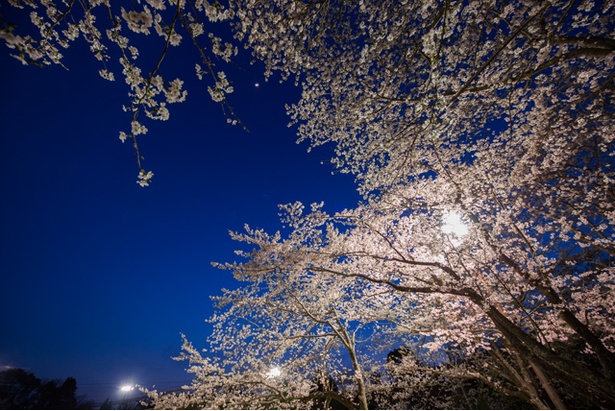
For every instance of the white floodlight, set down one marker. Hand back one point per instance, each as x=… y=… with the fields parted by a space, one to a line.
x=453 y=224
x=274 y=372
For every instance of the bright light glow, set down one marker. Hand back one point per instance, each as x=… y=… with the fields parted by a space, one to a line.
x=454 y=225
x=274 y=372
x=127 y=388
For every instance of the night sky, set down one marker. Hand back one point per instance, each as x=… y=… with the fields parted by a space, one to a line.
x=99 y=276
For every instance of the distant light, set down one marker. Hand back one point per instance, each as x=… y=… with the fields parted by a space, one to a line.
x=256 y=84
x=127 y=388
x=274 y=372
x=453 y=224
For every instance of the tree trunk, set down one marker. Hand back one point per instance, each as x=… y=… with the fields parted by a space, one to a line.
x=553 y=395
x=577 y=376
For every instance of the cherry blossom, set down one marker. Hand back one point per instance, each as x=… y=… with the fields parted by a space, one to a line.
x=110 y=30
x=481 y=136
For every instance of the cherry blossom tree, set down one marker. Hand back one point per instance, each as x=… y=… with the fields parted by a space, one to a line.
x=277 y=339
x=519 y=284
x=480 y=291
x=500 y=114
x=495 y=117
x=498 y=111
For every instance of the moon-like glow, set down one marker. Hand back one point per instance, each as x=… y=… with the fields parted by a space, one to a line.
x=453 y=224
x=274 y=372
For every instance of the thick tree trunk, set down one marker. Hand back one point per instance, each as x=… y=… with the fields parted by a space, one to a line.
x=349 y=343
x=358 y=372
x=553 y=395
x=577 y=375
x=606 y=357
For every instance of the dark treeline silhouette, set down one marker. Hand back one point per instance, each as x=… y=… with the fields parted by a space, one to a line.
x=20 y=390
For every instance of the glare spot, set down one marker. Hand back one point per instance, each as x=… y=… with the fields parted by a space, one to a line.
x=453 y=224
x=274 y=372
x=256 y=84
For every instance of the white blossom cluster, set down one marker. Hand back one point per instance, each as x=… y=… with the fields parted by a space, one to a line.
x=109 y=29
x=139 y=22
x=144 y=178
x=221 y=88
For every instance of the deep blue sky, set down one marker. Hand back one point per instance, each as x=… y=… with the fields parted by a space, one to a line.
x=99 y=276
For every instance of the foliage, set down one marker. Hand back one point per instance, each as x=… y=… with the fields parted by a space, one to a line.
x=20 y=390
x=495 y=117
x=393 y=84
